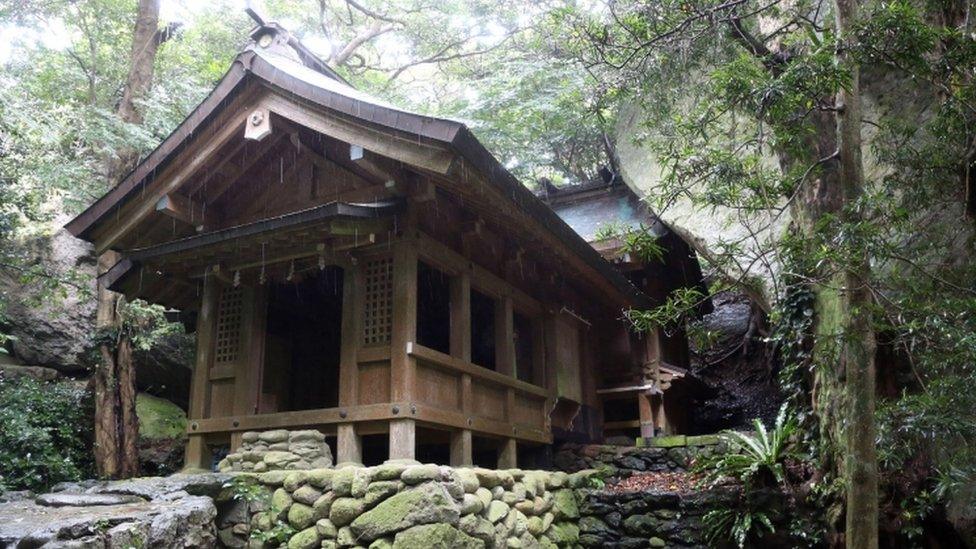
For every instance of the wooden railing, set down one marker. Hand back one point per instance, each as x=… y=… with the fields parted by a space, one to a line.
x=449 y=392
x=480 y=395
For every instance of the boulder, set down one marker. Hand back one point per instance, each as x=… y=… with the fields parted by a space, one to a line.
x=306 y=539
x=37 y=373
x=426 y=504
x=435 y=536
x=56 y=332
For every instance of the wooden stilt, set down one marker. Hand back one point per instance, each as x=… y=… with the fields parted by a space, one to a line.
x=507 y=455
x=349 y=447
x=461 y=448
x=646 y=415
x=403 y=439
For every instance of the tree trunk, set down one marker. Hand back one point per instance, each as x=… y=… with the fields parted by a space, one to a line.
x=116 y=424
x=858 y=347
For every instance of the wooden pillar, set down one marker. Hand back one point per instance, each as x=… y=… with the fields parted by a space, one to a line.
x=403 y=368
x=660 y=417
x=461 y=440
x=349 y=447
x=504 y=336
x=403 y=439
x=646 y=414
x=538 y=352
x=507 y=458
x=197 y=454
x=461 y=448
x=505 y=364
x=348 y=442
x=461 y=316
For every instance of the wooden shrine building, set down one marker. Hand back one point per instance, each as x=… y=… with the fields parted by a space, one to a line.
x=366 y=271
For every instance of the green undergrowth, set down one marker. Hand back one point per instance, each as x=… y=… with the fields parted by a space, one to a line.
x=45 y=434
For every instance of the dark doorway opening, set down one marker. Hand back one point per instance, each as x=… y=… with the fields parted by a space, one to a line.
x=376 y=449
x=301 y=366
x=433 y=308
x=482 y=330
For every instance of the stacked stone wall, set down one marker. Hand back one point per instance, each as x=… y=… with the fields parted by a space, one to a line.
x=665 y=454
x=406 y=505
x=278 y=450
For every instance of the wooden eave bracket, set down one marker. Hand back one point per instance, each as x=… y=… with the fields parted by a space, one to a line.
x=182 y=209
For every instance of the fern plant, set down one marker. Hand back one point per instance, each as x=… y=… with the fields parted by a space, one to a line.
x=757 y=461
x=735 y=525
x=754 y=459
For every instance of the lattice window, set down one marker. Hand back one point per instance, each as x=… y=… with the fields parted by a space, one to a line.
x=230 y=317
x=378 y=318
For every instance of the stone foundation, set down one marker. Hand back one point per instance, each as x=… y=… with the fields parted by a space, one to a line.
x=663 y=454
x=406 y=505
x=278 y=450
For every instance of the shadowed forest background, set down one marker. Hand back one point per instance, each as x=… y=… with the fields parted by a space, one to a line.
x=818 y=156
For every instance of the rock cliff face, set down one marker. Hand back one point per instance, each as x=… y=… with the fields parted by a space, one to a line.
x=54 y=331
x=175 y=511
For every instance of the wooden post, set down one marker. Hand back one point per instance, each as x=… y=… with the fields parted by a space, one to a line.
x=197 y=454
x=507 y=458
x=504 y=336
x=403 y=439
x=349 y=447
x=505 y=364
x=461 y=440
x=461 y=316
x=646 y=415
x=403 y=367
x=348 y=443
x=461 y=448
x=538 y=352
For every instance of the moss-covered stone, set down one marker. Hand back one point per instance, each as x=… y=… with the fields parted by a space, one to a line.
x=667 y=442
x=468 y=479
x=425 y=504
x=420 y=473
x=382 y=543
x=306 y=539
x=564 y=505
x=534 y=525
x=657 y=542
x=477 y=527
x=320 y=478
x=306 y=494
x=294 y=480
x=470 y=504
x=435 y=536
x=344 y=537
x=273 y=478
x=485 y=496
x=380 y=490
x=326 y=528
x=642 y=525
x=563 y=533
x=497 y=511
x=281 y=501
x=323 y=505
x=301 y=516
x=159 y=418
x=389 y=471
x=345 y=510
x=360 y=482
x=342 y=481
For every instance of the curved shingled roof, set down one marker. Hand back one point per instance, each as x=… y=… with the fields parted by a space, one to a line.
x=278 y=59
